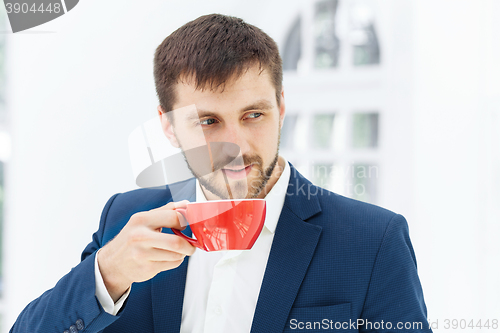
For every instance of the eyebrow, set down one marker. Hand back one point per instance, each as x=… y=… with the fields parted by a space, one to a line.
x=262 y=104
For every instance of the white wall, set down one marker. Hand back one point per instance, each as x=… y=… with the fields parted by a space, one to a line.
x=456 y=150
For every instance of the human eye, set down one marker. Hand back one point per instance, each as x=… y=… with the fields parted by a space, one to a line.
x=254 y=115
x=208 y=121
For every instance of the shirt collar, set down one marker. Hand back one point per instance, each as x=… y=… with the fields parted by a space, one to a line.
x=274 y=199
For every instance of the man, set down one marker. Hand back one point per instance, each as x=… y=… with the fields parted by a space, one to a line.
x=322 y=262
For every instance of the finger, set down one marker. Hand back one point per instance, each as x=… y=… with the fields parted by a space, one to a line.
x=155 y=219
x=173 y=243
x=172 y=205
x=161 y=266
x=155 y=254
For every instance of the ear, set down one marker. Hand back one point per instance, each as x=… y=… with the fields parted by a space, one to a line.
x=167 y=127
x=282 y=107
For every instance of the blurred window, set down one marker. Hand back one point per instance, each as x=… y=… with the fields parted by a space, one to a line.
x=334 y=141
x=288 y=131
x=322 y=175
x=327 y=44
x=363 y=35
x=293 y=47
x=321 y=131
x=364 y=182
x=365 y=130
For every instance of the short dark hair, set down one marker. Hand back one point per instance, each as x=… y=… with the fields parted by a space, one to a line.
x=212 y=49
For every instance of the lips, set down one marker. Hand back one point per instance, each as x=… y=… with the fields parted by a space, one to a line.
x=237 y=172
x=235 y=169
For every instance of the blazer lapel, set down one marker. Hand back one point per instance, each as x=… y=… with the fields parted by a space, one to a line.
x=293 y=247
x=167 y=288
x=167 y=294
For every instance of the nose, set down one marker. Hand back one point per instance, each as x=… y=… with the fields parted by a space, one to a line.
x=235 y=134
x=230 y=150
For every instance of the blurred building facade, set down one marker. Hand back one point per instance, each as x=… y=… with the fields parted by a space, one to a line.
x=391 y=102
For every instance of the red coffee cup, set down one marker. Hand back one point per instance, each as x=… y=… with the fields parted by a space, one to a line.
x=224 y=224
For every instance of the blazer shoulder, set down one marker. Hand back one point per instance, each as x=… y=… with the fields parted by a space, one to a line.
x=355 y=229
x=352 y=208
x=360 y=220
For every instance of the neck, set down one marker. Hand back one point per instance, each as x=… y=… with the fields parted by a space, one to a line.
x=278 y=170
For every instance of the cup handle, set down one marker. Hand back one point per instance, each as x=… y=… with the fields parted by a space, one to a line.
x=192 y=241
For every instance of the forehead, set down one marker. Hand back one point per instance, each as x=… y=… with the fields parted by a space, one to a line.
x=251 y=86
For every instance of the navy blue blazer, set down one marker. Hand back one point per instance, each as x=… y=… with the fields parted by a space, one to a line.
x=334 y=263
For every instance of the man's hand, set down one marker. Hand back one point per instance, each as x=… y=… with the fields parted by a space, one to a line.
x=141 y=250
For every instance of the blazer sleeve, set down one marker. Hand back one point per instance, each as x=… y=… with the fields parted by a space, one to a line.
x=72 y=301
x=394 y=294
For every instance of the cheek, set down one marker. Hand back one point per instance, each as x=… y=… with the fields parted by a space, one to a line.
x=190 y=138
x=268 y=140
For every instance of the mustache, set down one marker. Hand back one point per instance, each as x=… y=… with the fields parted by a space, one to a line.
x=242 y=162
x=218 y=155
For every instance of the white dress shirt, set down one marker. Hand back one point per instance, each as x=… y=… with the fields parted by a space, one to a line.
x=222 y=287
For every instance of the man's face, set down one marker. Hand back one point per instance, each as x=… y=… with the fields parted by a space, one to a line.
x=245 y=113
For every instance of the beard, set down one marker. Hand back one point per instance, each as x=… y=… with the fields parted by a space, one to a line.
x=247 y=188
x=250 y=187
